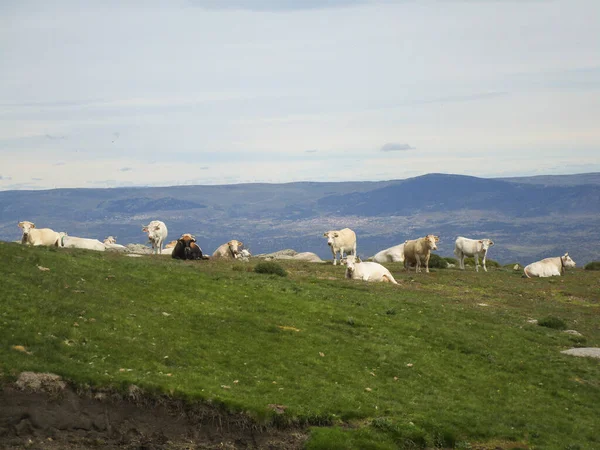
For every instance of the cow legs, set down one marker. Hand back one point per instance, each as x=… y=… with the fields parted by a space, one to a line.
x=483 y=261
x=461 y=260
x=476 y=256
x=334 y=256
x=427 y=264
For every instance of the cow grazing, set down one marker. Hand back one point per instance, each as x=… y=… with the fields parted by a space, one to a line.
x=38 y=236
x=549 y=267
x=392 y=254
x=229 y=250
x=472 y=247
x=367 y=271
x=418 y=252
x=157 y=234
x=341 y=241
x=187 y=248
x=67 y=241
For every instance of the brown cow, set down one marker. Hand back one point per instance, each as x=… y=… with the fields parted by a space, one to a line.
x=418 y=251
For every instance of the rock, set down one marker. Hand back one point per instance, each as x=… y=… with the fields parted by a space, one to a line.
x=516 y=267
x=592 y=352
x=287 y=252
x=573 y=332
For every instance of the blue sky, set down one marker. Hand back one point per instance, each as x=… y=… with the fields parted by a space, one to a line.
x=178 y=92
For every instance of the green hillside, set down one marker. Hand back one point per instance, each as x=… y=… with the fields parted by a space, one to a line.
x=446 y=359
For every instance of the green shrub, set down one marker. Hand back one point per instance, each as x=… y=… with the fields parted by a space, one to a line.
x=594 y=265
x=270 y=267
x=553 y=322
x=488 y=263
x=437 y=262
x=451 y=260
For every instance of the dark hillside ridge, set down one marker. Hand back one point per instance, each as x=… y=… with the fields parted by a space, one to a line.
x=529 y=220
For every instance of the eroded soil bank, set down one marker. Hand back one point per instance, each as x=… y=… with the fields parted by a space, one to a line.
x=49 y=414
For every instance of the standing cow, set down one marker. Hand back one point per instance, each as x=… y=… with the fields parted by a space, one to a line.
x=472 y=247
x=157 y=234
x=341 y=241
x=549 y=267
x=418 y=252
x=367 y=271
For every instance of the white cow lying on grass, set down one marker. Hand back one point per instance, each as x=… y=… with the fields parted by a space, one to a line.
x=111 y=244
x=67 y=241
x=38 y=236
x=157 y=234
x=367 y=271
x=392 y=254
x=549 y=267
x=472 y=247
x=341 y=241
x=229 y=250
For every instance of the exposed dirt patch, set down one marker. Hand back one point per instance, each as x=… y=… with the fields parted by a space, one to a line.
x=40 y=411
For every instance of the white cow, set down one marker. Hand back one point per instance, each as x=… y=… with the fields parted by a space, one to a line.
x=367 y=271
x=67 y=241
x=229 y=250
x=38 y=236
x=341 y=241
x=418 y=251
x=472 y=247
x=549 y=267
x=111 y=244
x=157 y=234
x=392 y=254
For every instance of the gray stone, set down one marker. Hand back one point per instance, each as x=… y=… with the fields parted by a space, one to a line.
x=592 y=352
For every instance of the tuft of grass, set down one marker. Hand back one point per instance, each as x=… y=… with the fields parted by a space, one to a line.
x=270 y=267
x=594 y=265
x=555 y=323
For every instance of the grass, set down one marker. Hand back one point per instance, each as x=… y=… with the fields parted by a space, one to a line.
x=446 y=359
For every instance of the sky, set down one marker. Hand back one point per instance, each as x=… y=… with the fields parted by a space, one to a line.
x=182 y=92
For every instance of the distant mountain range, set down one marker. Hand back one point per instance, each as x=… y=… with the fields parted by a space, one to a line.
x=528 y=218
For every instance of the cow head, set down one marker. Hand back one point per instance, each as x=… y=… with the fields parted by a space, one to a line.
x=331 y=236
x=351 y=261
x=26 y=226
x=110 y=240
x=153 y=232
x=235 y=247
x=485 y=244
x=430 y=241
x=567 y=261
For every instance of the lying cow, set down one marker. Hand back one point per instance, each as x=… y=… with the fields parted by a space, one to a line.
x=472 y=247
x=418 y=251
x=367 y=271
x=341 y=241
x=38 y=236
x=187 y=248
x=229 y=250
x=157 y=234
x=67 y=241
x=392 y=254
x=111 y=244
x=549 y=267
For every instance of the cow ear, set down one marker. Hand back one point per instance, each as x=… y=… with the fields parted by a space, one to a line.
x=145 y=229
x=20 y=224
x=480 y=241
x=157 y=227
x=336 y=235
x=325 y=234
x=33 y=225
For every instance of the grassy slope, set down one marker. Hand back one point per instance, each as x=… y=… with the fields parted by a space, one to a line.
x=441 y=369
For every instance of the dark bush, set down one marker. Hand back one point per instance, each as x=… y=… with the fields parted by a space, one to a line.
x=553 y=322
x=488 y=263
x=437 y=262
x=270 y=267
x=594 y=265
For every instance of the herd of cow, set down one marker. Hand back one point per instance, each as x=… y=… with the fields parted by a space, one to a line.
x=413 y=253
